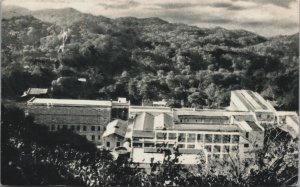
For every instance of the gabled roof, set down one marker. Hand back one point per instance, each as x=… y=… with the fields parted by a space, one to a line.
x=163 y=120
x=144 y=122
x=252 y=100
x=118 y=127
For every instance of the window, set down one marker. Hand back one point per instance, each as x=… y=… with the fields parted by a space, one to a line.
x=170 y=145
x=99 y=137
x=247 y=135
x=137 y=145
x=217 y=156
x=107 y=144
x=172 y=136
x=58 y=127
x=246 y=145
x=226 y=138
x=226 y=157
x=225 y=149
x=84 y=128
x=72 y=127
x=65 y=127
x=118 y=144
x=235 y=139
x=191 y=138
x=53 y=127
x=234 y=148
x=181 y=146
x=208 y=148
x=99 y=128
x=208 y=138
x=78 y=128
x=209 y=157
x=159 y=145
x=191 y=146
x=160 y=135
x=92 y=128
x=200 y=138
x=93 y=137
x=149 y=144
x=217 y=138
x=217 y=149
x=181 y=137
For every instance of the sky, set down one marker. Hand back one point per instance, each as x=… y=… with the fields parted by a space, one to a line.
x=264 y=17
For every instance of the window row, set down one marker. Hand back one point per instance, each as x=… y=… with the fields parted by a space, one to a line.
x=220 y=157
x=77 y=127
x=118 y=144
x=199 y=120
x=191 y=137
x=209 y=148
x=69 y=118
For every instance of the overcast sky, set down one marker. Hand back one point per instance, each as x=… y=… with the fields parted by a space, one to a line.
x=265 y=17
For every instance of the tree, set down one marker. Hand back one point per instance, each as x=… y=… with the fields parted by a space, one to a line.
x=197 y=99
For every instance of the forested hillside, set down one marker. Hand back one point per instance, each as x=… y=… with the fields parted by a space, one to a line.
x=143 y=59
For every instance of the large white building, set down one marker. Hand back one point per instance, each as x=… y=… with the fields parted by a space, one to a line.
x=88 y=118
x=237 y=131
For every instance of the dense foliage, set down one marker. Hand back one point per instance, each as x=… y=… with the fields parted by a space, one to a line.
x=143 y=59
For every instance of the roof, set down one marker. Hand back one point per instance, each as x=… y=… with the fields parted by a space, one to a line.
x=35 y=91
x=201 y=114
x=73 y=102
x=163 y=120
x=289 y=129
x=254 y=126
x=220 y=113
x=118 y=127
x=252 y=100
x=207 y=127
x=159 y=103
x=144 y=122
x=143 y=134
x=152 y=109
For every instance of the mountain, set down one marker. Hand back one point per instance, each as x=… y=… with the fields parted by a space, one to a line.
x=146 y=58
x=13 y=11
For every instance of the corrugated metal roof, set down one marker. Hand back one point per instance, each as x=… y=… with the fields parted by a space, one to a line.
x=252 y=100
